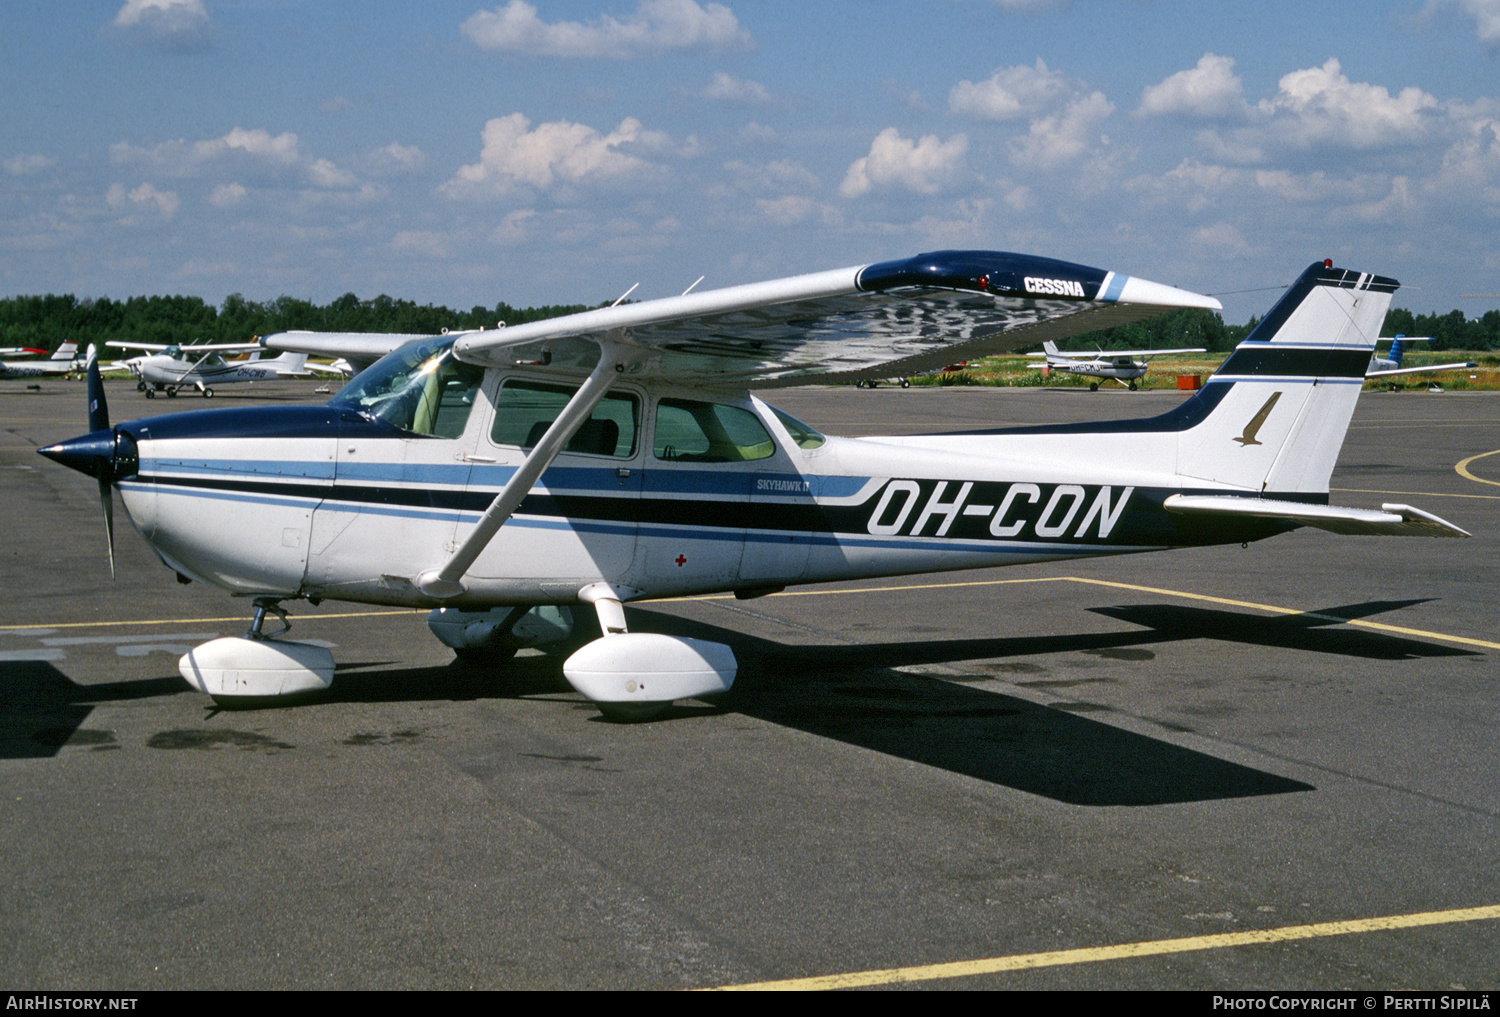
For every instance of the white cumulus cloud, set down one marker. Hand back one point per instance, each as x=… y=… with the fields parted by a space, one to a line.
x=656 y=26
x=281 y=148
x=728 y=88
x=1319 y=105
x=1486 y=15
x=925 y=166
x=185 y=158
x=396 y=158
x=171 y=24
x=254 y=152
x=1012 y=93
x=1061 y=138
x=166 y=202
x=226 y=195
x=557 y=152
x=27 y=164
x=1209 y=91
x=325 y=174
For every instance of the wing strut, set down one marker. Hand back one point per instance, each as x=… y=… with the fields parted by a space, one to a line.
x=447 y=581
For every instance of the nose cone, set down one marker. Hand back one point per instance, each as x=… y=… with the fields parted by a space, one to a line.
x=92 y=453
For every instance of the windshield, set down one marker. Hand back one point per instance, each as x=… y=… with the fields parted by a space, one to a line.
x=419 y=387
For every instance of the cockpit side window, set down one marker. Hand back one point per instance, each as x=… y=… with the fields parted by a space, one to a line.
x=699 y=432
x=525 y=409
x=805 y=437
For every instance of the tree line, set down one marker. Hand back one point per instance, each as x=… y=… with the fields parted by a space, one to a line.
x=45 y=321
x=1188 y=328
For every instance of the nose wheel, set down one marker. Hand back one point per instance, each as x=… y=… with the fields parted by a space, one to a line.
x=256 y=668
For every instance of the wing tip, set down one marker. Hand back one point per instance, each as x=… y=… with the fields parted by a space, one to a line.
x=1143 y=291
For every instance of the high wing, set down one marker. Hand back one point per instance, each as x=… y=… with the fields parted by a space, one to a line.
x=1421 y=370
x=361 y=349
x=185 y=347
x=872 y=321
x=1114 y=354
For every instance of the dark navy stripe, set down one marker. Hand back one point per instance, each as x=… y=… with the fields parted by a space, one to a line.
x=262 y=422
x=1252 y=361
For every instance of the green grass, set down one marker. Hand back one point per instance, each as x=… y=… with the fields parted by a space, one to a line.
x=1024 y=372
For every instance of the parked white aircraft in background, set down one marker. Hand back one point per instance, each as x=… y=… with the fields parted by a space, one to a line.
x=1118 y=365
x=355 y=351
x=62 y=362
x=175 y=367
x=505 y=477
x=1386 y=367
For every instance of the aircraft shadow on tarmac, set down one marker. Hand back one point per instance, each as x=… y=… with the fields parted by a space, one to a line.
x=1309 y=631
x=850 y=693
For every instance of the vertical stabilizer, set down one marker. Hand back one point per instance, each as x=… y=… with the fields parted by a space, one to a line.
x=1283 y=400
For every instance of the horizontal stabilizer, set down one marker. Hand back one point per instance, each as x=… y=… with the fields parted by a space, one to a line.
x=1111 y=354
x=1390 y=520
x=1422 y=370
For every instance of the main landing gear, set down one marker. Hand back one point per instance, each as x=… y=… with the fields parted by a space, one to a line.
x=171 y=391
x=240 y=671
x=635 y=676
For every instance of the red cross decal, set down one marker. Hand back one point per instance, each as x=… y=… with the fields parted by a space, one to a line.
x=681 y=560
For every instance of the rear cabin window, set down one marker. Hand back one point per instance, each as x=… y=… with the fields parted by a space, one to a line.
x=525 y=409
x=697 y=432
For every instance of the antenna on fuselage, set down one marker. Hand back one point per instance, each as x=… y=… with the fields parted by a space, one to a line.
x=695 y=283
x=624 y=295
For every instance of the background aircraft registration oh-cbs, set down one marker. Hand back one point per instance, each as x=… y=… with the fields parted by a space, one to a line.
x=505 y=477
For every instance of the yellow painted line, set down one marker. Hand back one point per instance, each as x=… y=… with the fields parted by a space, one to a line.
x=1463 y=468
x=1273 y=609
x=868 y=589
x=1154 y=590
x=1122 y=951
x=200 y=621
x=1425 y=425
x=1417 y=494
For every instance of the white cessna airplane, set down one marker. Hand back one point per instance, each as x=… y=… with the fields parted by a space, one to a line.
x=175 y=367
x=1389 y=366
x=351 y=352
x=1119 y=365
x=504 y=477
x=64 y=361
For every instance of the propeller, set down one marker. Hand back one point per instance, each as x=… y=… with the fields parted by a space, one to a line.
x=99 y=421
x=106 y=453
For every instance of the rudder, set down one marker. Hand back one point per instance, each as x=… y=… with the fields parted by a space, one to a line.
x=1283 y=399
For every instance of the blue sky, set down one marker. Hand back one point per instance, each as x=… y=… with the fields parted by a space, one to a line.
x=466 y=153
